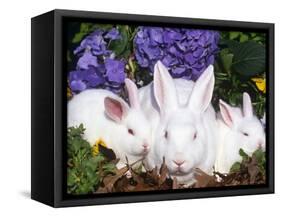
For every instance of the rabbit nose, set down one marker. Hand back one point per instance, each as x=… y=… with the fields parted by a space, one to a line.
x=179 y=162
x=145 y=146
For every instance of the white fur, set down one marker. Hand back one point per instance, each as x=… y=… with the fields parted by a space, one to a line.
x=88 y=108
x=182 y=108
x=237 y=129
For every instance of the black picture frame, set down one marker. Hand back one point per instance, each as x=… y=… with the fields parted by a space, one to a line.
x=49 y=109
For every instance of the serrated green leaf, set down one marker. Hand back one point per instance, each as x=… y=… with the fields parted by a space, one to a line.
x=109 y=167
x=71 y=178
x=83 y=174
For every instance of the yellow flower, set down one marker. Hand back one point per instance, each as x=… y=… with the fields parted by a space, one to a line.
x=95 y=148
x=260 y=83
x=69 y=94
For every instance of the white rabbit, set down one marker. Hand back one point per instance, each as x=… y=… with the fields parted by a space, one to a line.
x=237 y=129
x=109 y=118
x=183 y=123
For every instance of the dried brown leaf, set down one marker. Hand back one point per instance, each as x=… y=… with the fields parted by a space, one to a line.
x=253 y=170
x=203 y=179
x=163 y=173
x=110 y=180
x=175 y=183
x=159 y=179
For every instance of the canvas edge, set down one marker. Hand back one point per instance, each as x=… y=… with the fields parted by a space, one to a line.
x=59 y=201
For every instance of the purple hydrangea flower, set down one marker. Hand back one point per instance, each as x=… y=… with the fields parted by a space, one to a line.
x=77 y=85
x=76 y=81
x=185 y=52
x=113 y=34
x=115 y=70
x=94 y=77
x=93 y=42
x=80 y=80
x=97 y=42
x=86 y=60
x=96 y=66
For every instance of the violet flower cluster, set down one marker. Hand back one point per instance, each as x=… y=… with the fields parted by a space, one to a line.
x=96 y=65
x=185 y=52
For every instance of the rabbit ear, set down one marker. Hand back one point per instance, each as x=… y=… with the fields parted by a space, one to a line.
x=227 y=113
x=247 y=105
x=115 y=109
x=164 y=88
x=132 y=93
x=202 y=92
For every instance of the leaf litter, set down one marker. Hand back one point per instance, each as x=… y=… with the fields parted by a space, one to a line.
x=249 y=173
x=99 y=174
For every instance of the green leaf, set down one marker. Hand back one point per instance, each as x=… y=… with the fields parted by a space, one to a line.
x=102 y=26
x=235 y=167
x=109 y=167
x=260 y=155
x=226 y=59
x=85 y=28
x=244 y=38
x=249 y=58
x=253 y=34
x=71 y=178
x=119 y=46
x=234 y=35
x=243 y=154
x=231 y=44
x=78 y=37
x=83 y=172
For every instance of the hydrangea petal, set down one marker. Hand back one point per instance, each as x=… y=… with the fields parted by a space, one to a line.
x=193 y=49
x=87 y=60
x=115 y=70
x=113 y=34
x=94 y=78
x=77 y=85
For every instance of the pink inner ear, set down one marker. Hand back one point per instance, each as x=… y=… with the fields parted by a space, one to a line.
x=132 y=93
x=226 y=115
x=164 y=89
x=113 y=109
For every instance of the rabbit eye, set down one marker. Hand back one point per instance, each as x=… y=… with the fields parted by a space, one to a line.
x=194 y=135
x=245 y=134
x=166 y=134
x=130 y=131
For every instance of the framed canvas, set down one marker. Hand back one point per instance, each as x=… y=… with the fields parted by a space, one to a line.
x=133 y=108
